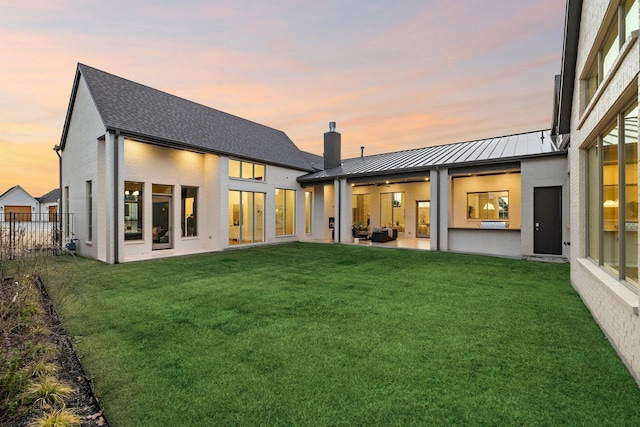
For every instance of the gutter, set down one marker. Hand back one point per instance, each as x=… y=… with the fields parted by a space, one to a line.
x=438 y=208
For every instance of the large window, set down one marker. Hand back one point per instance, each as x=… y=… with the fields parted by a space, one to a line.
x=392 y=210
x=485 y=200
x=612 y=183
x=361 y=211
x=246 y=217
x=132 y=210
x=620 y=28
x=89 y=211
x=189 y=206
x=488 y=205
x=246 y=170
x=285 y=212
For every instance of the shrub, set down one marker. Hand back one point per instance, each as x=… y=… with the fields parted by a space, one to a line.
x=48 y=392
x=57 y=418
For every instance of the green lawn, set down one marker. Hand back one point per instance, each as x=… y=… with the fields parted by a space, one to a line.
x=314 y=334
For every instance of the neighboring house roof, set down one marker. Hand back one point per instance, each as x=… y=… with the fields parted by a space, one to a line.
x=51 y=197
x=15 y=187
x=157 y=117
x=481 y=152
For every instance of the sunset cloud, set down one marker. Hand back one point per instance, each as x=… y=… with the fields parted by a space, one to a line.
x=394 y=77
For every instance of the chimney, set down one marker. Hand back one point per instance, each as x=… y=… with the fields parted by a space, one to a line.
x=332 y=147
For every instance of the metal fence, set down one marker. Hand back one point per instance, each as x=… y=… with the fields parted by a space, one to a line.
x=33 y=235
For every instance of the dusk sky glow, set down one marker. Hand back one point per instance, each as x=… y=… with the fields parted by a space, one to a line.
x=393 y=75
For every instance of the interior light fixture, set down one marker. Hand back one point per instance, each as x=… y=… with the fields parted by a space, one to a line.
x=489 y=207
x=610 y=204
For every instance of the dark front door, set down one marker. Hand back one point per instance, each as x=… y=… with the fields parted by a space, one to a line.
x=547 y=220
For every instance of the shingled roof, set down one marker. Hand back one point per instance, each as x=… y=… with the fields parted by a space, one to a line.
x=138 y=111
x=502 y=149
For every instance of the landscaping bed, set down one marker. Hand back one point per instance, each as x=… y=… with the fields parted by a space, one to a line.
x=81 y=405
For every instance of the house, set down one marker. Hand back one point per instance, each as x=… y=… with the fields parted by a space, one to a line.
x=502 y=196
x=148 y=174
x=48 y=205
x=18 y=205
x=598 y=114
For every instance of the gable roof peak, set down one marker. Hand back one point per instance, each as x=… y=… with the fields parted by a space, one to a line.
x=153 y=116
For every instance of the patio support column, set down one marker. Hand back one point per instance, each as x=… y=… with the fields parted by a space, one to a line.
x=342 y=211
x=114 y=182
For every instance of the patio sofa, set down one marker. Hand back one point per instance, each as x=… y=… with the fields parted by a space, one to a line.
x=382 y=235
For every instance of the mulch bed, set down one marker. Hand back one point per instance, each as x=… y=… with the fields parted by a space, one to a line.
x=84 y=401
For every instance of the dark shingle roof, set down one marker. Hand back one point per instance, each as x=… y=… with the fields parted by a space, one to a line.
x=486 y=151
x=140 y=111
x=51 y=196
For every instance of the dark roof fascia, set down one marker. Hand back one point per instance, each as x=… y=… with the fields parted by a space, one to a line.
x=418 y=173
x=8 y=191
x=15 y=187
x=316 y=182
x=568 y=71
x=485 y=169
x=147 y=139
x=72 y=101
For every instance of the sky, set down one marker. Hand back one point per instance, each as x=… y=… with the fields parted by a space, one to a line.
x=393 y=75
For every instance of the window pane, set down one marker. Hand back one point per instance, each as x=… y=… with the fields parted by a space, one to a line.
x=593 y=201
x=610 y=200
x=361 y=209
x=290 y=209
x=398 y=211
x=592 y=82
x=610 y=49
x=234 y=168
x=189 y=211
x=258 y=217
x=234 y=217
x=280 y=212
x=488 y=205
x=631 y=22
x=246 y=217
x=258 y=172
x=307 y=211
x=161 y=189
x=631 y=194
x=386 y=210
x=247 y=170
x=132 y=211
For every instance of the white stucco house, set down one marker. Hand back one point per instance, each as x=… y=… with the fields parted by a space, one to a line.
x=598 y=115
x=148 y=174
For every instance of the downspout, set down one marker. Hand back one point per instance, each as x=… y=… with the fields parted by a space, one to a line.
x=438 y=207
x=57 y=149
x=116 y=197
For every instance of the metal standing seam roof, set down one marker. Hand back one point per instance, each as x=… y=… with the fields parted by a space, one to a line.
x=155 y=116
x=486 y=151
